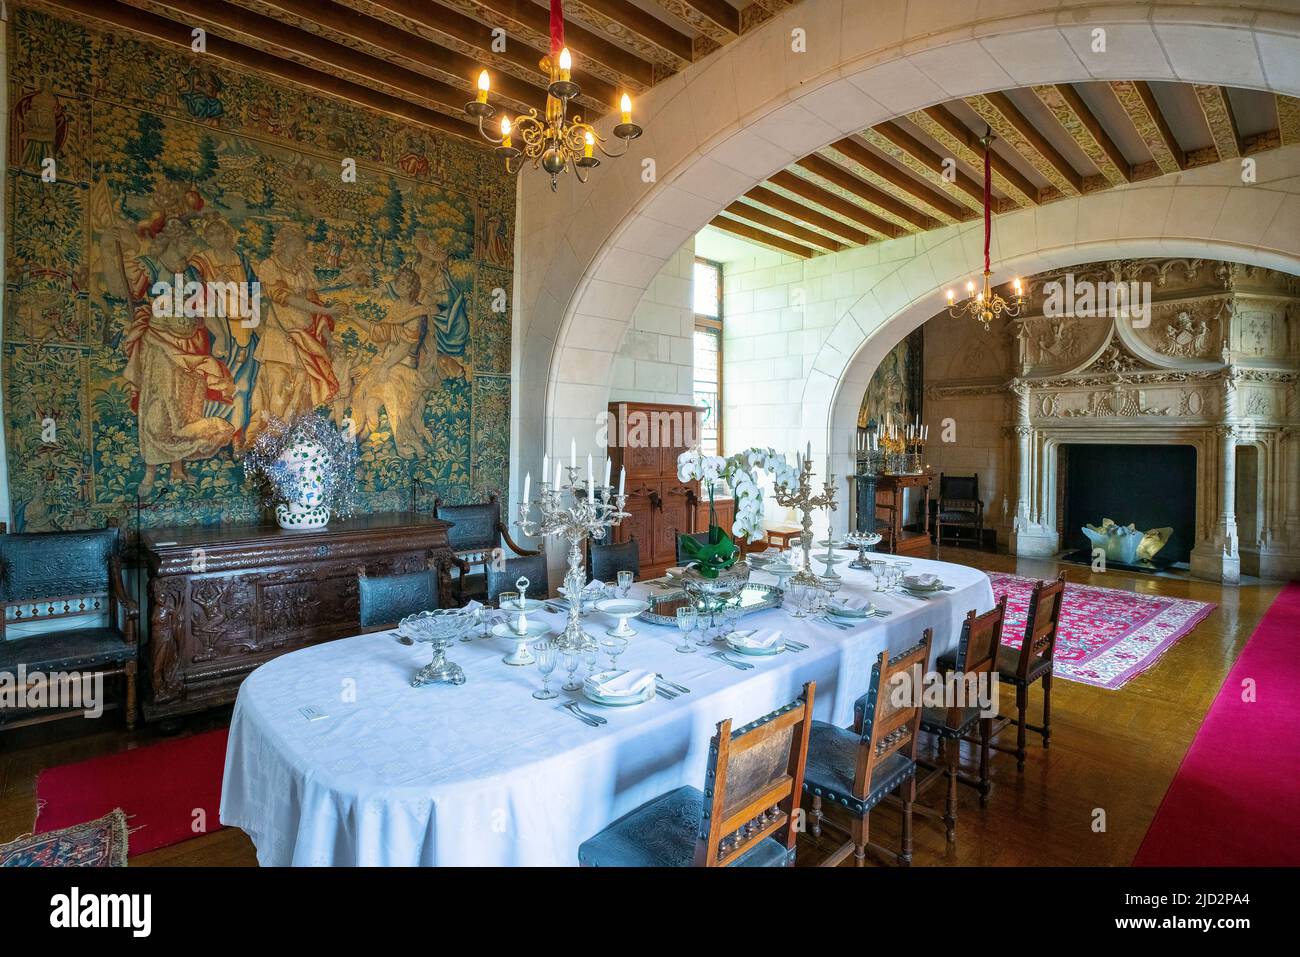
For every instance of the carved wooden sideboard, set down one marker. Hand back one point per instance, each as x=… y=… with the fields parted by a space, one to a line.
x=224 y=600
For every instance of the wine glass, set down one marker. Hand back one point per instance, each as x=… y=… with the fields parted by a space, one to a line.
x=613 y=647
x=546 y=654
x=590 y=655
x=799 y=601
x=572 y=658
x=730 y=617
x=624 y=583
x=878 y=571
x=710 y=612
x=687 y=619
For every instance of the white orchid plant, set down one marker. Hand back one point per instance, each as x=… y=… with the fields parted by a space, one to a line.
x=739 y=472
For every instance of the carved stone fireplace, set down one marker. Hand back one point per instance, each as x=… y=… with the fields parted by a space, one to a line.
x=1214 y=368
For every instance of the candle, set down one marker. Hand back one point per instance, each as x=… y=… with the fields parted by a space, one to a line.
x=573 y=453
x=483 y=85
x=566 y=63
x=622 y=476
x=608 y=466
x=558 y=482
x=589 y=144
x=528 y=481
x=505 y=131
x=590 y=481
x=625 y=107
x=546 y=466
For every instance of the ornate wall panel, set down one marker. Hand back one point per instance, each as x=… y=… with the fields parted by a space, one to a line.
x=382 y=297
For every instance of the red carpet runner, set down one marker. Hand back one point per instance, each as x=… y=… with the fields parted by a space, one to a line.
x=161 y=788
x=1234 y=798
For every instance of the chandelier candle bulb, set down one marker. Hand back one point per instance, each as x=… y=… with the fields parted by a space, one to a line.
x=483 y=85
x=566 y=63
x=505 y=131
x=625 y=107
x=589 y=144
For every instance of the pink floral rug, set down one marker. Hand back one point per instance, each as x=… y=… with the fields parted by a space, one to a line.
x=1107 y=636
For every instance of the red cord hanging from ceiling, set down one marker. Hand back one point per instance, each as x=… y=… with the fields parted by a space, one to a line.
x=988 y=199
x=557 y=27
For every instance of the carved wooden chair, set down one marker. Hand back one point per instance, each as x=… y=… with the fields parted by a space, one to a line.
x=851 y=771
x=502 y=576
x=959 y=507
x=476 y=534
x=52 y=575
x=605 y=561
x=387 y=599
x=744 y=817
x=976 y=658
x=1030 y=663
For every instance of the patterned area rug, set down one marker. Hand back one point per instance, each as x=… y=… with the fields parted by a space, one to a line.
x=1107 y=636
x=100 y=843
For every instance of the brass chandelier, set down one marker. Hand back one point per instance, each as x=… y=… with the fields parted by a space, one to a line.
x=552 y=140
x=985 y=305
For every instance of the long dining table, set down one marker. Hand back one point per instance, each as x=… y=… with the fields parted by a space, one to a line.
x=334 y=759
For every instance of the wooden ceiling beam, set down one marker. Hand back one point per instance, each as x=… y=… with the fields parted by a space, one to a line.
x=1086 y=130
x=474 y=39
x=886 y=172
x=806 y=189
x=778 y=224
x=838 y=176
x=530 y=23
x=389 y=44
x=1217 y=110
x=643 y=33
x=1014 y=129
x=1139 y=103
x=757 y=235
x=161 y=29
x=952 y=134
x=289 y=43
x=787 y=206
x=892 y=139
x=715 y=19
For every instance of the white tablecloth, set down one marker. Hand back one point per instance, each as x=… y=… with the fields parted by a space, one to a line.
x=484 y=774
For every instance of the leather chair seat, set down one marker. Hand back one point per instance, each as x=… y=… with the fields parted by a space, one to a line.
x=935 y=721
x=958 y=515
x=77 y=649
x=663 y=833
x=1008 y=663
x=832 y=760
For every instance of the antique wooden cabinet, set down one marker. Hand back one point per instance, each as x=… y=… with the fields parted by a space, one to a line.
x=646 y=438
x=224 y=600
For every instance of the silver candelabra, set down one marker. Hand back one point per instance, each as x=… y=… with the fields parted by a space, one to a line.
x=806 y=502
x=588 y=515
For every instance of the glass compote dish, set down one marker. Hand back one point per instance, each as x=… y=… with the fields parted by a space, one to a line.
x=440 y=629
x=862 y=541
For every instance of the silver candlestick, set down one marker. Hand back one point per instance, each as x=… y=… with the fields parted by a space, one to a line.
x=806 y=502
x=588 y=515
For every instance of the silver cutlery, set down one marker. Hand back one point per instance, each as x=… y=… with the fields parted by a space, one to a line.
x=795 y=645
x=404 y=640
x=581 y=717
x=834 y=624
x=682 y=689
x=738 y=665
x=664 y=692
x=573 y=706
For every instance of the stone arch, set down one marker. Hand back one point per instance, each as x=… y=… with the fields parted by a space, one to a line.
x=588 y=252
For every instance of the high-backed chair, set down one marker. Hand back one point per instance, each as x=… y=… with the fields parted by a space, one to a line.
x=851 y=771
x=976 y=658
x=387 y=599
x=1030 y=663
x=475 y=536
x=52 y=575
x=503 y=578
x=744 y=817
x=604 y=562
x=959 y=507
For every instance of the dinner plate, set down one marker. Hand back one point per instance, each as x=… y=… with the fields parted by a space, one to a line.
x=851 y=613
x=776 y=649
x=937 y=586
x=624 y=701
x=779 y=568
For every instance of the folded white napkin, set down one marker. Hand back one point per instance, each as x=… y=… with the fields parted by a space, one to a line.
x=590 y=591
x=759 y=639
x=850 y=603
x=623 y=684
x=921 y=581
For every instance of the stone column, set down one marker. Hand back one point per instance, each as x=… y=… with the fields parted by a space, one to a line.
x=1028 y=537
x=1218 y=559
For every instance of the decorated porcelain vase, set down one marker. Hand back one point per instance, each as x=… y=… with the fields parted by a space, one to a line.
x=305 y=463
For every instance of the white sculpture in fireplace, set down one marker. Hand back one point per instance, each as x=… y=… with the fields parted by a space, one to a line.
x=1124 y=544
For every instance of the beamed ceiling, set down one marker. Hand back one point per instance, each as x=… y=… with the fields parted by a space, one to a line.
x=1053 y=141
x=420 y=59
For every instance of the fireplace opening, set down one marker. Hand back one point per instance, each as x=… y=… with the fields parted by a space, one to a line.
x=1151 y=487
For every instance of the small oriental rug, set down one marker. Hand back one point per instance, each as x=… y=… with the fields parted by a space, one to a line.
x=1107 y=636
x=100 y=843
